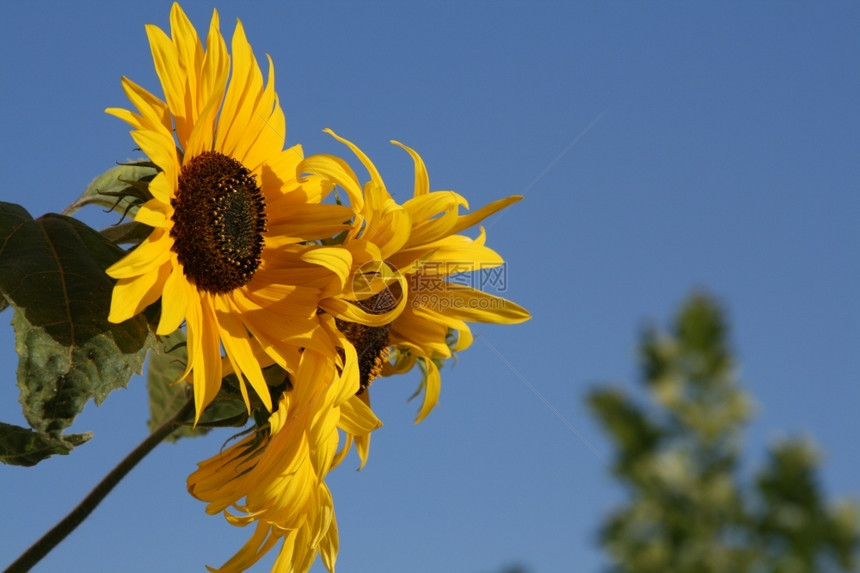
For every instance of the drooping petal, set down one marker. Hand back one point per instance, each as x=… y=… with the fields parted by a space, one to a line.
x=422 y=180
x=435 y=215
x=432 y=387
x=389 y=229
x=375 y=177
x=337 y=171
x=237 y=345
x=418 y=330
x=204 y=356
x=467 y=303
x=260 y=543
x=476 y=217
x=335 y=259
x=357 y=418
x=329 y=542
x=351 y=312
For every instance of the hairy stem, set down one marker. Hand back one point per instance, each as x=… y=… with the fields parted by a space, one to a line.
x=68 y=524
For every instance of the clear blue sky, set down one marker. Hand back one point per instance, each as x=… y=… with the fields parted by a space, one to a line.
x=661 y=147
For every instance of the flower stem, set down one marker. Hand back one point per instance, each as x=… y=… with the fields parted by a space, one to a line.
x=68 y=524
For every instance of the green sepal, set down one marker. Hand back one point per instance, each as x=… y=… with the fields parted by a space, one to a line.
x=122 y=189
x=451 y=342
x=128 y=233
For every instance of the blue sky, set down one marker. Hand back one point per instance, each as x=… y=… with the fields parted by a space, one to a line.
x=661 y=147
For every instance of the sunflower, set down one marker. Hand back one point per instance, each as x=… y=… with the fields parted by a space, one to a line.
x=229 y=251
x=418 y=247
x=274 y=477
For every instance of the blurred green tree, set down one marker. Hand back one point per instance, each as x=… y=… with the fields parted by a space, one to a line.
x=688 y=510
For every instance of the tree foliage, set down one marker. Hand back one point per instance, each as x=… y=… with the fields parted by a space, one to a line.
x=678 y=457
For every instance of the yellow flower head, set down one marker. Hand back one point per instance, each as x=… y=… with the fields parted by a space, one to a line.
x=419 y=242
x=229 y=215
x=275 y=478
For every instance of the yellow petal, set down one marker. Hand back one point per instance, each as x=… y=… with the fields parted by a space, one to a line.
x=400 y=362
x=353 y=313
x=150 y=254
x=464 y=333
x=390 y=229
x=422 y=180
x=427 y=227
x=328 y=545
x=154 y=213
x=163 y=185
x=172 y=76
x=159 y=147
x=154 y=113
x=467 y=303
x=291 y=223
x=246 y=86
x=177 y=296
x=357 y=418
x=336 y=259
x=458 y=254
x=432 y=387
x=201 y=135
x=365 y=160
x=126 y=116
x=260 y=543
x=216 y=65
x=266 y=131
x=279 y=175
x=204 y=354
x=237 y=345
x=338 y=172
x=418 y=330
x=131 y=295
x=282 y=318
x=470 y=219
x=189 y=52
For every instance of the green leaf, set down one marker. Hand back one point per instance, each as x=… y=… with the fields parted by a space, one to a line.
x=118 y=189
x=166 y=365
x=52 y=273
x=24 y=447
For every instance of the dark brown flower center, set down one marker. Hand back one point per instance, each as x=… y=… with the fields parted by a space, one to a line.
x=218 y=223
x=371 y=342
x=371 y=345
